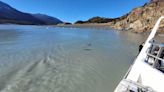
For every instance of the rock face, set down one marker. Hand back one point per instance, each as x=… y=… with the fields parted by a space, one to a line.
x=141 y=19
x=11 y=15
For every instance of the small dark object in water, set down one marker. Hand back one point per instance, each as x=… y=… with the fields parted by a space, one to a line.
x=89 y=44
x=87 y=49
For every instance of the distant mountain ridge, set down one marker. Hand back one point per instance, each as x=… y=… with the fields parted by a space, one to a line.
x=11 y=15
x=95 y=20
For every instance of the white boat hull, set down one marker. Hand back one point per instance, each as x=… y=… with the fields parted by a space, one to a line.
x=142 y=73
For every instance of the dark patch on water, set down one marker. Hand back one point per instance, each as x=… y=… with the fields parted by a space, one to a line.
x=88 y=49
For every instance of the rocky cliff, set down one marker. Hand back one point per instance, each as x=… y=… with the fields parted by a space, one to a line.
x=141 y=19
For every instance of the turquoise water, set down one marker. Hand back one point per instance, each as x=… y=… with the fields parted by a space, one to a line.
x=52 y=59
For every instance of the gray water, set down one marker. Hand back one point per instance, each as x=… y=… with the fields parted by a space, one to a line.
x=51 y=59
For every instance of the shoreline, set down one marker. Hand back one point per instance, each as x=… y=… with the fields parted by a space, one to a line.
x=85 y=25
x=101 y=26
x=106 y=26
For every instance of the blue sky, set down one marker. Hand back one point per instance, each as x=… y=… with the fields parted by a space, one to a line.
x=73 y=10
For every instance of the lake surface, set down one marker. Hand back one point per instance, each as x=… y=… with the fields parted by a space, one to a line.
x=52 y=59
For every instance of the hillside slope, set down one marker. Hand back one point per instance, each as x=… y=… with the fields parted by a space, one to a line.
x=11 y=15
x=47 y=19
x=141 y=19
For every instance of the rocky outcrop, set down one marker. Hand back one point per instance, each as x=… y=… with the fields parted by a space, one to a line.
x=141 y=19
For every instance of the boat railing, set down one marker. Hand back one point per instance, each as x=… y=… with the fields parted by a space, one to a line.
x=155 y=56
x=157 y=43
x=130 y=86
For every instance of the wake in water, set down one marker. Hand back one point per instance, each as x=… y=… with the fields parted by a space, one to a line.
x=33 y=59
x=52 y=74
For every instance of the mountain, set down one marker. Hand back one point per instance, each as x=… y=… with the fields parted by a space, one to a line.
x=95 y=20
x=47 y=19
x=141 y=19
x=11 y=15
